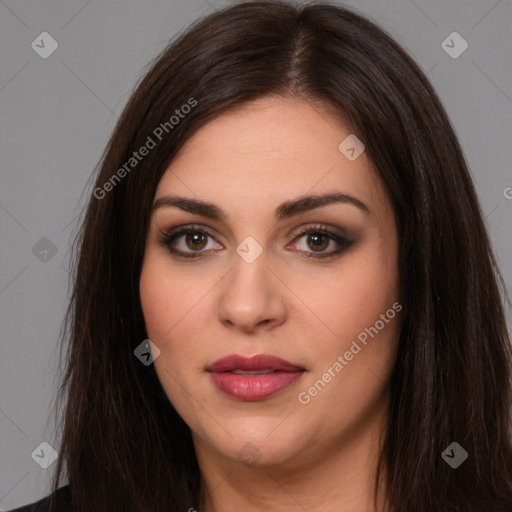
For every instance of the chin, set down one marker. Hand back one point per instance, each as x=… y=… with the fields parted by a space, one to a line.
x=257 y=443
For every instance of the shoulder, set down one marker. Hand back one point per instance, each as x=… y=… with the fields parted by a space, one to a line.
x=60 y=501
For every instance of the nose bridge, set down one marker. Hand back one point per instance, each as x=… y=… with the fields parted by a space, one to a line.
x=250 y=293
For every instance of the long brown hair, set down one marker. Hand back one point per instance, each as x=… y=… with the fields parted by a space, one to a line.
x=124 y=447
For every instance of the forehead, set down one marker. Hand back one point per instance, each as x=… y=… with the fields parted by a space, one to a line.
x=270 y=149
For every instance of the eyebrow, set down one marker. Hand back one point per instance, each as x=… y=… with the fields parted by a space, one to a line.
x=284 y=211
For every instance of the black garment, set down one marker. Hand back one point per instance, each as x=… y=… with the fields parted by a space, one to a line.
x=61 y=498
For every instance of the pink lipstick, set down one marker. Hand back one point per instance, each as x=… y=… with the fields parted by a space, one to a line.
x=253 y=378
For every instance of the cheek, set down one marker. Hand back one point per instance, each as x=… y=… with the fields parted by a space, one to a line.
x=176 y=305
x=363 y=314
x=175 y=312
x=351 y=368
x=158 y=301
x=169 y=299
x=351 y=299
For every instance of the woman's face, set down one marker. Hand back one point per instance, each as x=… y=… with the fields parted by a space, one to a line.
x=262 y=274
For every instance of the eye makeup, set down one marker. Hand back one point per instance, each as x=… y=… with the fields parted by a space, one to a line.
x=317 y=236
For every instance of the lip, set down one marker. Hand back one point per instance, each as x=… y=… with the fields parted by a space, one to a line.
x=251 y=387
x=254 y=363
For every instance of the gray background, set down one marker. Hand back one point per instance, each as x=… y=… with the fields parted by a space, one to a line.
x=57 y=113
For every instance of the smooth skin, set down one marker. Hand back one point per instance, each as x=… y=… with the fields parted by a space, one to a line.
x=276 y=454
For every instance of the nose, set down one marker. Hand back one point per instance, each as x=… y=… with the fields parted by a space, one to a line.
x=251 y=297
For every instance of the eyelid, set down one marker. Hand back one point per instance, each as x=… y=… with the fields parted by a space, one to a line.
x=167 y=233
x=320 y=227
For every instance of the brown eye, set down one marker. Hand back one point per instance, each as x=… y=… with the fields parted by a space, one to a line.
x=195 y=240
x=317 y=241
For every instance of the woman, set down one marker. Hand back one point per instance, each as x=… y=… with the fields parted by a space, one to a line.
x=285 y=297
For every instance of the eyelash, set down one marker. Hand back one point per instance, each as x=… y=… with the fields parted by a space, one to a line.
x=166 y=238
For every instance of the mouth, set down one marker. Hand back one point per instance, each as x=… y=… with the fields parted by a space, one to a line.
x=255 y=378
x=252 y=372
